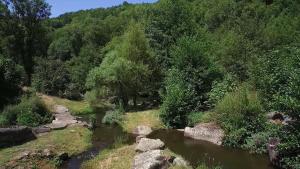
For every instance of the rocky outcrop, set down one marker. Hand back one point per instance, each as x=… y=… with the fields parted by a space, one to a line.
x=152 y=159
x=142 y=130
x=205 y=131
x=151 y=156
x=146 y=144
x=15 y=135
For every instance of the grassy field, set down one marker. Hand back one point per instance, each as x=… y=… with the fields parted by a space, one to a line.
x=72 y=140
x=149 y=118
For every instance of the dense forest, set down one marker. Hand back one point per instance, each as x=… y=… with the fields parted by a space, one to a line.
x=237 y=59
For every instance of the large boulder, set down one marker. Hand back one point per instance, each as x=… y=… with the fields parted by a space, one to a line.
x=152 y=159
x=205 y=131
x=15 y=135
x=146 y=144
x=142 y=130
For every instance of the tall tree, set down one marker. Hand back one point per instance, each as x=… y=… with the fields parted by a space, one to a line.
x=127 y=67
x=28 y=36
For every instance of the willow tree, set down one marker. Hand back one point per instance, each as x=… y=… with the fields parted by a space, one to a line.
x=127 y=67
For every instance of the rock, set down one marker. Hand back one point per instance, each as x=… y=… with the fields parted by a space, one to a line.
x=142 y=130
x=60 y=109
x=41 y=129
x=205 y=131
x=152 y=159
x=47 y=153
x=57 y=126
x=15 y=135
x=146 y=144
x=178 y=161
x=138 y=138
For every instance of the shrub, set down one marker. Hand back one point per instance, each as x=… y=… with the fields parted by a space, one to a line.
x=176 y=102
x=197 y=117
x=220 y=88
x=30 y=112
x=257 y=142
x=240 y=114
x=113 y=117
x=188 y=82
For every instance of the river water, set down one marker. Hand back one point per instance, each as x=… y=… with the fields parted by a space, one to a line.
x=194 y=151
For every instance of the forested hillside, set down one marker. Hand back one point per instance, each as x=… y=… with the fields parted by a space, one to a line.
x=236 y=59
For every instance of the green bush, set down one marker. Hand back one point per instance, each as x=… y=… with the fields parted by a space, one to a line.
x=113 y=117
x=220 y=88
x=257 y=142
x=240 y=114
x=31 y=111
x=188 y=82
x=176 y=102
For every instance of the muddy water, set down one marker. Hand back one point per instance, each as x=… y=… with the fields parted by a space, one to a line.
x=192 y=150
x=103 y=137
x=201 y=151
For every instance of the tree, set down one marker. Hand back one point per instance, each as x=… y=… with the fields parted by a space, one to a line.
x=10 y=79
x=188 y=82
x=127 y=67
x=28 y=37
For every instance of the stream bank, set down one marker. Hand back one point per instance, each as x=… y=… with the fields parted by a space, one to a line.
x=194 y=151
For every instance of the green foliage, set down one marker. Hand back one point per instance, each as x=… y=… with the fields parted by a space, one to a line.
x=276 y=77
x=240 y=114
x=188 y=82
x=194 y=118
x=51 y=77
x=26 y=36
x=175 y=107
x=113 y=117
x=10 y=79
x=31 y=111
x=127 y=67
x=220 y=89
x=257 y=142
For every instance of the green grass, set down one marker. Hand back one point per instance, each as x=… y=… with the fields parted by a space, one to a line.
x=149 y=118
x=72 y=140
x=76 y=107
x=201 y=117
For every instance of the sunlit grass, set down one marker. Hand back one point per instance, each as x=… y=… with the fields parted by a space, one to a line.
x=76 y=107
x=149 y=118
x=72 y=140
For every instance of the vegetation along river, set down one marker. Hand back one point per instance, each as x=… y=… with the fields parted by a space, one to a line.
x=194 y=151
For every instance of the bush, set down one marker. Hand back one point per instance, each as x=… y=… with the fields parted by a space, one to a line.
x=176 y=102
x=188 y=82
x=198 y=117
x=220 y=88
x=257 y=142
x=29 y=112
x=240 y=114
x=113 y=117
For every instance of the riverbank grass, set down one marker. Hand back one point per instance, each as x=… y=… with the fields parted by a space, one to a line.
x=149 y=118
x=120 y=157
x=76 y=107
x=72 y=140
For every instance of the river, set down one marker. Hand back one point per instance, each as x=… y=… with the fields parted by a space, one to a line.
x=194 y=151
